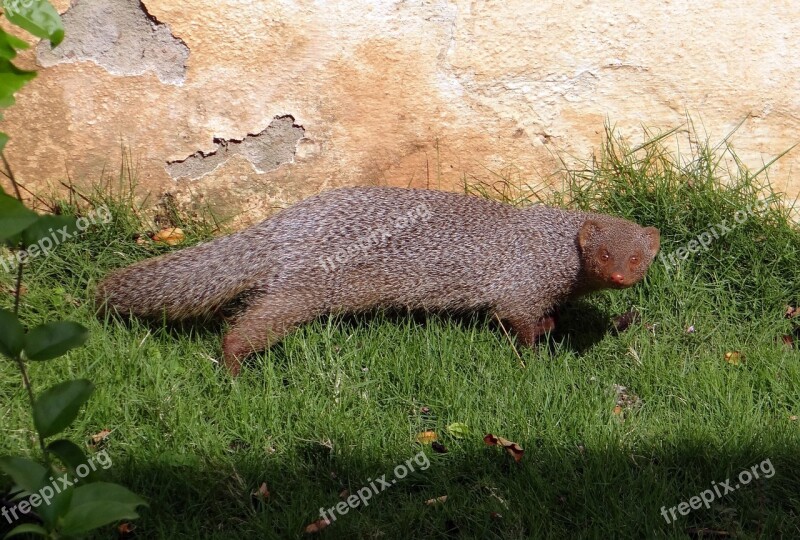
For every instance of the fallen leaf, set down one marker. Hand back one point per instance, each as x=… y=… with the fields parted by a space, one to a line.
x=495 y=515
x=690 y=330
x=262 y=492
x=512 y=448
x=126 y=530
x=617 y=410
x=10 y=289
x=791 y=312
x=172 y=236
x=793 y=418
x=100 y=437
x=734 y=357
x=344 y=494
x=317 y=526
x=426 y=437
x=788 y=340
x=425 y=410
x=437 y=500
x=458 y=430
x=438 y=447
x=624 y=321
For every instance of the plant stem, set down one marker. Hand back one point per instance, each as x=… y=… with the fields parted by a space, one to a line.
x=17 y=294
x=18 y=288
x=29 y=387
x=11 y=176
x=20 y=266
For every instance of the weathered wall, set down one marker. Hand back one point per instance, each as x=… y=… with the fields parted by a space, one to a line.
x=249 y=105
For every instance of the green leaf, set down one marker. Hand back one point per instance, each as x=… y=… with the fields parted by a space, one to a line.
x=14 y=217
x=44 y=230
x=11 y=334
x=70 y=454
x=3 y=142
x=98 y=504
x=26 y=473
x=11 y=80
x=56 y=506
x=52 y=340
x=37 y=17
x=458 y=430
x=58 y=406
x=9 y=45
x=27 y=528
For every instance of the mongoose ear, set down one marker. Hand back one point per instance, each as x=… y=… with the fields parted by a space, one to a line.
x=654 y=238
x=587 y=230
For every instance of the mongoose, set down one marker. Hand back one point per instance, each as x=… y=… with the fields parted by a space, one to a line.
x=352 y=249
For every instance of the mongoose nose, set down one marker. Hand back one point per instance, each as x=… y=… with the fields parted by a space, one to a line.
x=618 y=278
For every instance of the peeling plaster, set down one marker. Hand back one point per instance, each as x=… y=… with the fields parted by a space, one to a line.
x=266 y=151
x=419 y=94
x=120 y=36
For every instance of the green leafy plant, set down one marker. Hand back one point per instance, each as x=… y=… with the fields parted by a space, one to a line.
x=74 y=510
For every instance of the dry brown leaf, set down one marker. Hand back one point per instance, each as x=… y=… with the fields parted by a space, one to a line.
x=438 y=447
x=617 y=410
x=512 y=448
x=317 y=526
x=791 y=312
x=99 y=437
x=437 y=500
x=793 y=418
x=734 y=357
x=262 y=492
x=126 y=530
x=172 y=236
x=426 y=437
x=788 y=340
x=10 y=289
x=624 y=321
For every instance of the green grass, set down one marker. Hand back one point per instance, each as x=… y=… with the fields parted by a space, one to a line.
x=340 y=402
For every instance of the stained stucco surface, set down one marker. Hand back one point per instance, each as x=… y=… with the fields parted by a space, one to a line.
x=393 y=92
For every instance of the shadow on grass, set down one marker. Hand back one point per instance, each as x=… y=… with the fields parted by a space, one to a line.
x=552 y=492
x=580 y=326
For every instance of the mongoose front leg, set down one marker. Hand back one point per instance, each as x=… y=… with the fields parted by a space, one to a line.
x=529 y=329
x=264 y=323
x=545 y=325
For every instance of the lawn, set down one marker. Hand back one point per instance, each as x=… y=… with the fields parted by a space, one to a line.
x=617 y=428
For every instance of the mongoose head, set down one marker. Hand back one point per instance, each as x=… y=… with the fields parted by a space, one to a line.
x=616 y=253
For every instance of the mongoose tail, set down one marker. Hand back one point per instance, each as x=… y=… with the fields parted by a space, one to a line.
x=193 y=282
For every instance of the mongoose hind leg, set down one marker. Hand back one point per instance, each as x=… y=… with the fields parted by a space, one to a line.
x=263 y=324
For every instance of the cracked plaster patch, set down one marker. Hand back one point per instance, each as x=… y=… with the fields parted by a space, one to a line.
x=266 y=151
x=120 y=36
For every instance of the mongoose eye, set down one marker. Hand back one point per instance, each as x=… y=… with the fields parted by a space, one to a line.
x=634 y=260
x=604 y=256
